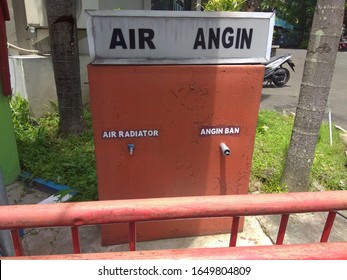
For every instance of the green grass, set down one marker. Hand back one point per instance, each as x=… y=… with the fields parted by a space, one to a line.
x=67 y=161
x=70 y=160
x=271 y=145
x=330 y=163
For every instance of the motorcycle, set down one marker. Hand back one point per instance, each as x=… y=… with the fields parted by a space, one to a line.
x=276 y=73
x=343 y=44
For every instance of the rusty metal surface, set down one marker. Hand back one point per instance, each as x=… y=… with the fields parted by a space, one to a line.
x=73 y=215
x=121 y=211
x=316 y=251
x=169 y=156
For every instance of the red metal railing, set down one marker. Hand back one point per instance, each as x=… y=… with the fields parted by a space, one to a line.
x=73 y=215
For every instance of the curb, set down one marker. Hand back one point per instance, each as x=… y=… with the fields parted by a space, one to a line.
x=48 y=186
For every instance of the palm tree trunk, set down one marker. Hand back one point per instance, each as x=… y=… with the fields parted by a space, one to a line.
x=314 y=92
x=62 y=27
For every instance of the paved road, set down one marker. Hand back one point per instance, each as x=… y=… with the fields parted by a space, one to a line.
x=286 y=98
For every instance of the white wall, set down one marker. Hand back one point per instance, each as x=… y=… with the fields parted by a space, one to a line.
x=32 y=78
x=36 y=11
x=125 y=5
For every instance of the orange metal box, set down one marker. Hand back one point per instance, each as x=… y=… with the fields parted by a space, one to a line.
x=158 y=130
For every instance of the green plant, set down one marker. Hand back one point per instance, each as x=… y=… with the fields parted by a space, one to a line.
x=329 y=166
x=67 y=161
x=70 y=161
x=28 y=128
x=224 y=5
x=271 y=143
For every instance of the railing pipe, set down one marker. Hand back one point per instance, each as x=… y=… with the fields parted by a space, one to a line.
x=17 y=243
x=75 y=240
x=313 y=251
x=120 y=211
x=328 y=226
x=282 y=229
x=234 y=231
x=132 y=237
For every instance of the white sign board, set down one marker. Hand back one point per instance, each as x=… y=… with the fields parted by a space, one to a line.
x=168 y=37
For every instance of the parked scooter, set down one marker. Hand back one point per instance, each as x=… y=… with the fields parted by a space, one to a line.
x=343 y=44
x=276 y=73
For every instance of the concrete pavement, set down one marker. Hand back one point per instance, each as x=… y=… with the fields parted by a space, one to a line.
x=260 y=230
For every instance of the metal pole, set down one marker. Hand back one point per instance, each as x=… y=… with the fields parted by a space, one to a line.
x=6 y=244
x=330 y=128
x=156 y=209
x=198 y=5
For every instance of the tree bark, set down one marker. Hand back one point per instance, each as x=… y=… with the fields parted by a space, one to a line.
x=62 y=27
x=188 y=5
x=314 y=92
x=253 y=5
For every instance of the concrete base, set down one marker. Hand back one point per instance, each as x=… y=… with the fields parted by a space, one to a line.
x=305 y=227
